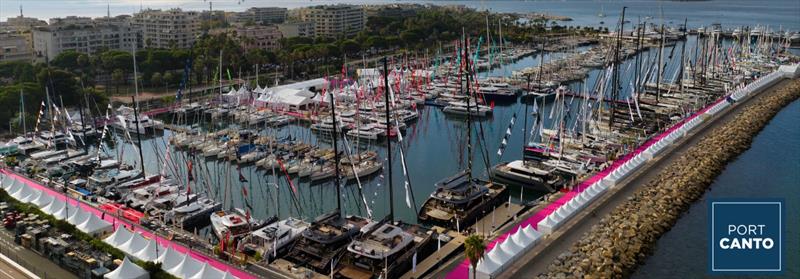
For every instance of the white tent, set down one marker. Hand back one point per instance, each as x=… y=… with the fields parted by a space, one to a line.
x=170 y=259
x=522 y=240
x=486 y=268
x=531 y=233
x=78 y=216
x=65 y=211
x=511 y=248
x=14 y=187
x=8 y=181
x=187 y=268
x=128 y=270
x=22 y=191
x=95 y=226
x=119 y=237
x=498 y=256
x=207 y=271
x=151 y=252
x=54 y=207
x=43 y=200
x=35 y=193
x=133 y=245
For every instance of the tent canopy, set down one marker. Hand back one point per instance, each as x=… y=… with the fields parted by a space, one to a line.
x=187 y=268
x=133 y=245
x=208 y=271
x=119 y=237
x=170 y=258
x=151 y=252
x=94 y=225
x=127 y=270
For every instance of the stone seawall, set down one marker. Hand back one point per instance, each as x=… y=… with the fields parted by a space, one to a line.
x=616 y=245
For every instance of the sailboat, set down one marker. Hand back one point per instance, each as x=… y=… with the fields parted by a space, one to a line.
x=458 y=201
x=329 y=234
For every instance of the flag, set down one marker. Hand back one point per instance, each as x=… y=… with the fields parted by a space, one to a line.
x=283 y=168
x=241 y=177
x=189 y=170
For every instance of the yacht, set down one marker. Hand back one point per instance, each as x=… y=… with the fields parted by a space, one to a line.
x=27 y=145
x=235 y=223
x=367 y=256
x=127 y=121
x=528 y=174
x=460 y=108
x=367 y=131
x=361 y=169
x=326 y=238
x=492 y=92
x=273 y=238
x=458 y=201
x=194 y=214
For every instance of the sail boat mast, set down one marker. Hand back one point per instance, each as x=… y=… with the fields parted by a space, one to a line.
x=389 y=141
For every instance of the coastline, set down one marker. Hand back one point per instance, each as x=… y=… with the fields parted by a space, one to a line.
x=619 y=242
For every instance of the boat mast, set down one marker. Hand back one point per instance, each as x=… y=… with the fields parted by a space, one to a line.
x=136 y=110
x=22 y=109
x=469 y=109
x=615 y=77
x=683 y=55
x=388 y=141
x=336 y=180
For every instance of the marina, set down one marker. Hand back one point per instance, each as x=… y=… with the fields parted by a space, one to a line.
x=390 y=168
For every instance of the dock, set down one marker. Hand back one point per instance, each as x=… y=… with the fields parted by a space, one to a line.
x=490 y=223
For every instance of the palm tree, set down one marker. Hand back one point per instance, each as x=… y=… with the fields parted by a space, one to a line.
x=474 y=247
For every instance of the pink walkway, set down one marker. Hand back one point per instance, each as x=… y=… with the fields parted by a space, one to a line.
x=202 y=258
x=462 y=270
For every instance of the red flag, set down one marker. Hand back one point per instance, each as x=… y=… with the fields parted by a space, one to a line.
x=189 y=167
x=492 y=104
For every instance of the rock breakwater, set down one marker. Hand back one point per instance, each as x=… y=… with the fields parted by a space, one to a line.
x=615 y=246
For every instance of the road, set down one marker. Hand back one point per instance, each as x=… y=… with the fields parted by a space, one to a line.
x=538 y=259
x=36 y=263
x=9 y=272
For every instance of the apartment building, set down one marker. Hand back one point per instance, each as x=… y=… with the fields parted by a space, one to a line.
x=167 y=28
x=84 y=35
x=335 y=20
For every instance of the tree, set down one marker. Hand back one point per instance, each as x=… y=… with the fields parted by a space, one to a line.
x=155 y=79
x=474 y=247
x=168 y=78
x=350 y=47
x=117 y=76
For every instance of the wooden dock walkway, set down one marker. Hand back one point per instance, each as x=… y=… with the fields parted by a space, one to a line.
x=488 y=226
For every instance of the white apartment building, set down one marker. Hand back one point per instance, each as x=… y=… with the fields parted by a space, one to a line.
x=335 y=20
x=84 y=35
x=264 y=15
x=169 y=28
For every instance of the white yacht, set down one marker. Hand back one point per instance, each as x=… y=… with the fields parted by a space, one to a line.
x=274 y=237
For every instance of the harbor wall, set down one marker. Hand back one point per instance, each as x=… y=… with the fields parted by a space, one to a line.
x=619 y=242
x=559 y=212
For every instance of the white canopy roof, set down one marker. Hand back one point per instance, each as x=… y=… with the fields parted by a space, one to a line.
x=133 y=245
x=498 y=256
x=128 y=270
x=8 y=181
x=150 y=253
x=94 y=225
x=53 y=207
x=187 y=268
x=521 y=240
x=287 y=96
x=65 y=211
x=530 y=232
x=34 y=194
x=43 y=200
x=78 y=216
x=170 y=258
x=510 y=247
x=22 y=191
x=119 y=237
x=208 y=271
x=14 y=187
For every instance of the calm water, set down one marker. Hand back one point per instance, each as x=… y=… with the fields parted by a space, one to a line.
x=769 y=169
x=775 y=13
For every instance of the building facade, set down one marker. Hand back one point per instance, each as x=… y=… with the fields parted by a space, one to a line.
x=83 y=35
x=169 y=28
x=15 y=47
x=335 y=20
x=265 y=15
x=259 y=37
x=297 y=29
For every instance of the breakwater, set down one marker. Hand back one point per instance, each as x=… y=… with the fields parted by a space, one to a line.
x=619 y=242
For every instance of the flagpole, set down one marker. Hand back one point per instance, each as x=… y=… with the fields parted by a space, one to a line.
x=388 y=141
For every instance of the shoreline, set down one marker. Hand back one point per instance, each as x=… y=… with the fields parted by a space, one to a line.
x=617 y=244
